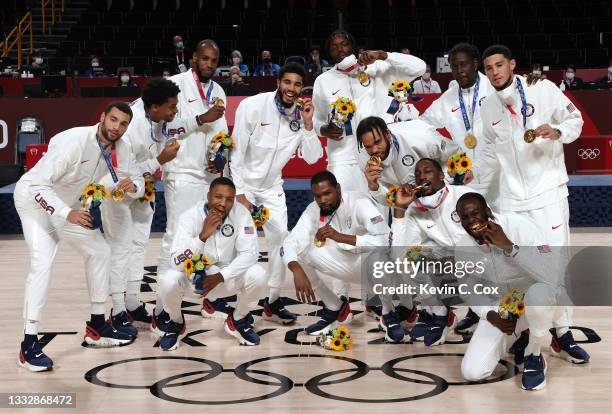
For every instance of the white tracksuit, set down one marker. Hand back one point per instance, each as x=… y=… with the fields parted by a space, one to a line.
x=186 y=180
x=264 y=145
x=233 y=251
x=445 y=112
x=370 y=100
x=533 y=178
x=43 y=198
x=134 y=217
x=532 y=269
x=356 y=215
x=410 y=141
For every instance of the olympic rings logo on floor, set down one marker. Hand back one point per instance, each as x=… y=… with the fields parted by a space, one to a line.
x=285 y=384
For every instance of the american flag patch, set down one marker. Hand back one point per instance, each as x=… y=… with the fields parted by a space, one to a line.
x=377 y=219
x=570 y=107
x=249 y=230
x=544 y=248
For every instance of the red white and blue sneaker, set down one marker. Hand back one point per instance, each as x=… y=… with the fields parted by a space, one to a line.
x=242 y=329
x=420 y=327
x=330 y=320
x=33 y=358
x=106 y=336
x=565 y=347
x=217 y=309
x=394 y=333
x=277 y=312
x=160 y=322
x=438 y=328
x=468 y=324
x=121 y=322
x=139 y=317
x=173 y=335
x=534 y=373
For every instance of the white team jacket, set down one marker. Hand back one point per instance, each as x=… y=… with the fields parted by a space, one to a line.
x=356 y=215
x=410 y=141
x=265 y=143
x=233 y=247
x=532 y=175
x=191 y=162
x=74 y=160
x=445 y=112
x=370 y=100
x=440 y=226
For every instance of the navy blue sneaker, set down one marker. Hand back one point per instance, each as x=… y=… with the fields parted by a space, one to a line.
x=374 y=311
x=565 y=347
x=160 y=322
x=438 y=329
x=242 y=329
x=33 y=358
x=330 y=320
x=277 y=312
x=518 y=347
x=217 y=309
x=468 y=324
x=394 y=333
x=106 y=336
x=121 y=322
x=139 y=317
x=418 y=330
x=534 y=373
x=173 y=335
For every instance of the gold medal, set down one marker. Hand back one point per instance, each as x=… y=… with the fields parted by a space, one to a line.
x=376 y=160
x=299 y=104
x=470 y=141
x=479 y=227
x=218 y=102
x=172 y=141
x=529 y=136
x=117 y=194
x=319 y=243
x=420 y=187
x=363 y=78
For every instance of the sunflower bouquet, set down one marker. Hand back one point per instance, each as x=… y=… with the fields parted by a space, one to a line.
x=260 y=215
x=400 y=90
x=417 y=253
x=195 y=266
x=91 y=198
x=392 y=195
x=149 y=194
x=512 y=305
x=219 y=144
x=458 y=165
x=337 y=340
x=343 y=110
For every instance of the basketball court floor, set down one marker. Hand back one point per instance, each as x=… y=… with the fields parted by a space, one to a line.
x=211 y=373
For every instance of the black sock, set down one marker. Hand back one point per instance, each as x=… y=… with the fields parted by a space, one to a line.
x=28 y=340
x=97 y=321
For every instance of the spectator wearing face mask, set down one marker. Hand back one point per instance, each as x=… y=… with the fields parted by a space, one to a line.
x=166 y=73
x=37 y=64
x=236 y=85
x=236 y=60
x=570 y=80
x=314 y=63
x=125 y=80
x=180 y=55
x=426 y=84
x=95 y=67
x=605 y=82
x=267 y=68
x=536 y=71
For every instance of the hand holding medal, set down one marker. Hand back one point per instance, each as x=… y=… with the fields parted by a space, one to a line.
x=306 y=111
x=373 y=171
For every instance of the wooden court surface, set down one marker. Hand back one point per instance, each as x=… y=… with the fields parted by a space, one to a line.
x=277 y=376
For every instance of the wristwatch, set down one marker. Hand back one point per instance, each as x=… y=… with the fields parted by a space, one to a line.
x=513 y=252
x=558 y=131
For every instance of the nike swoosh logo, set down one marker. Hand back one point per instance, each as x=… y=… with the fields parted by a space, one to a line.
x=495 y=123
x=41 y=354
x=454 y=109
x=246 y=330
x=280 y=194
x=84 y=161
x=391 y=326
x=191 y=100
x=125 y=323
x=262 y=124
x=333 y=93
x=430 y=226
x=556 y=227
x=573 y=346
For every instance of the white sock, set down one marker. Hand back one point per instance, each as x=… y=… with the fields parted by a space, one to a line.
x=132 y=295
x=533 y=347
x=561 y=331
x=274 y=295
x=439 y=310
x=118 y=302
x=31 y=327
x=328 y=297
x=159 y=305
x=98 y=308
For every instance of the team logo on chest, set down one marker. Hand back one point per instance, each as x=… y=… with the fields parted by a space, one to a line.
x=480 y=100
x=227 y=230
x=529 y=109
x=455 y=217
x=408 y=160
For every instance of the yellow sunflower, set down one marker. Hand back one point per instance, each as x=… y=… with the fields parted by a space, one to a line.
x=400 y=85
x=205 y=260
x=465 y=163
x=519 y=308
x=452 y=167
x=188 y=266
x=218 y=138
x=343 y=108
x=265 y=213
x=336 y=344
x=104 y=192
x=342 y=331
